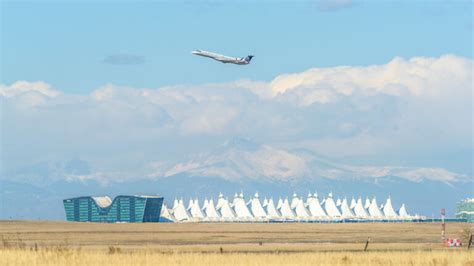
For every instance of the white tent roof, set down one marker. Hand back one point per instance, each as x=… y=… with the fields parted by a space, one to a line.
x=195 y=210
x=300 y=210
x=204 y=205
x=359 y=210
x=315 y=208
x=367 y=203
x=165 y=213
x=309 y=198
x=374 y=210
x=330 y=207
x=265 y=202
x=279 y=204
x=403 y=212
x=353 y=203
x=256 y=208
x=220 y=201
x=240 y=207
x=210 y=210
x=180 y=212
x=253 y=210
x=294 y=201
x=190 y=204
x=346 y=210
x=286 y=211
x=225 y=209
x=175 y=203
x=388 y=210
x=272 y=211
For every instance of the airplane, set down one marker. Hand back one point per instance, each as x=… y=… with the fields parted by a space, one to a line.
x=224 y=59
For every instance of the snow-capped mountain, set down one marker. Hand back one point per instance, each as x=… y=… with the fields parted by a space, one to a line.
x=237 y=165
x=243 y=160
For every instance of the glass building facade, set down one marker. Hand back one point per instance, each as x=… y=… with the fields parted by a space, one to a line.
x=465 y=210
x=129 y=209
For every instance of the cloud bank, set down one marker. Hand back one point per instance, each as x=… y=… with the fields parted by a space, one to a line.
x=412 y=108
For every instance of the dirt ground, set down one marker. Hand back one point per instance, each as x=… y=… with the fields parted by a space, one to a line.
x=231 y=237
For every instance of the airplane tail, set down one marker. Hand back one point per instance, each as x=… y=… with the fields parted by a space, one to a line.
x=248 y=58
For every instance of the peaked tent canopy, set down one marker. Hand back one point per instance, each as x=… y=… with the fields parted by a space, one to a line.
x=330 y=207
x=286 y=211
x=346 y=211
x=359 y=210
x=180 y=212
x=165 y=214
x=374 y=210
x=300 y=210
x=256 y=208
x=315 y=207
x=240 y=207
x=195 y=210
x=403 y=212
x=272 y=211
x=210 y=210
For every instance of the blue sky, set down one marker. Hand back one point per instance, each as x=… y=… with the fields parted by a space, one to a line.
x=65 y=44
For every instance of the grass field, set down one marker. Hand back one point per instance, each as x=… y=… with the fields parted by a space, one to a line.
x=72 y=257
x=61 y=243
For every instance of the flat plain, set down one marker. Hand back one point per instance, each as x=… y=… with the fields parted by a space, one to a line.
x=39 y=243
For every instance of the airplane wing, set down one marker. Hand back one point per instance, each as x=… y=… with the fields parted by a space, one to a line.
x=214 y=56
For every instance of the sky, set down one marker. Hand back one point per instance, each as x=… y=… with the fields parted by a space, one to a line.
x=377 y=88
x=67 y=44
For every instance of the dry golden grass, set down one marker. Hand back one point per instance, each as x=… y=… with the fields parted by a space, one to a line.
x=390 y=235
x=72 y=257
x=66 y=243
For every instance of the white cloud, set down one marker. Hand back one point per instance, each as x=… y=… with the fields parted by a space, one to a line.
x=23 y=87
x=28 y=94
x=418 y=106
x=417 y=76
x=210 y=120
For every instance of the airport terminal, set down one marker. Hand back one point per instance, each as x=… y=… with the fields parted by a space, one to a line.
x=129 y=209
x=142 y=209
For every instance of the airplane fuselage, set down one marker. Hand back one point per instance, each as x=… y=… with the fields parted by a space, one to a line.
x=224 y=59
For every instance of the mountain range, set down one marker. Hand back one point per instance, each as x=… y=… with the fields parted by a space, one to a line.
x=236 y=165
